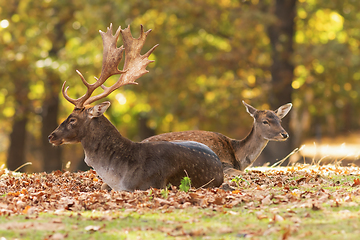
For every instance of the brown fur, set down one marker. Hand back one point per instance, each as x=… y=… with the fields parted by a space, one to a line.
x=127 y=165
x=236 y=155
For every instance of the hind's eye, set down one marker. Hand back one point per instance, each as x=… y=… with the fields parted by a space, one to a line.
x=265 y=122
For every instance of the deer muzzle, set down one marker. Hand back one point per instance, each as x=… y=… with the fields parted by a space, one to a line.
x=283 y=136
x=53 y=140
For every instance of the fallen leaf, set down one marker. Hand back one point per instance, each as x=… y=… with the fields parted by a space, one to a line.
x=236 y=192
x=278 y=218
x=260 y=215
x=315 y=207
x=197 y=232
x=287 y=232
x=25 y=211
x=57 y=236
x=266 y=200
x=356 y=182
x=92 y=228
x=224 y=230
x=232 y=213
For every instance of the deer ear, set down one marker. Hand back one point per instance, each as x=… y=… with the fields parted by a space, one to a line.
x=250 y=109
x=283 y=110
x=98 y=110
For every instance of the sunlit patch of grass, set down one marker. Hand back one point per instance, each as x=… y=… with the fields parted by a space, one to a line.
x=341 y=179
x=296 y=177
x=339 y=150
x=325 y=170
x=270 y=222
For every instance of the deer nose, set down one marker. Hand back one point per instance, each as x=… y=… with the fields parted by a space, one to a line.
x=284 y=135
x=50 y=137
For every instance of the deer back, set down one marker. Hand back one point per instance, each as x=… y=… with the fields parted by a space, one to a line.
x=217 y=142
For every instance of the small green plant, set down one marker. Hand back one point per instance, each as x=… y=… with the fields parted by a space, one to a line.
x=185 y=184
x=150 y=194
x=165 y=192
x=237 y=180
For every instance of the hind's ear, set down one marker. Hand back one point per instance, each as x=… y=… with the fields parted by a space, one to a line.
x=283 y=110
x=98 y=110
x=250 y=109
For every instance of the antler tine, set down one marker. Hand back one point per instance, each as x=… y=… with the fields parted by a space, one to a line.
x=66 y=96
x=112 y=56
x=135 y=64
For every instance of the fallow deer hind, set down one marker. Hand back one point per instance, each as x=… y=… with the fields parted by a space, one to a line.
x=121 y=163
x=236 y=155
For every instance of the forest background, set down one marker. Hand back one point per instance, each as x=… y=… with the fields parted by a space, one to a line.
x=212 y=55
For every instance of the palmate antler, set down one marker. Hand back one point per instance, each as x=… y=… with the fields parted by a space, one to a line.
x=134 y=66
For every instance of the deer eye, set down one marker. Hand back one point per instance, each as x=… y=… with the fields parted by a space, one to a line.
x=265 y=122
x=72 y=120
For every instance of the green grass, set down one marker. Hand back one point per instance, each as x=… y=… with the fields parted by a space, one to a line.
x=300 y=223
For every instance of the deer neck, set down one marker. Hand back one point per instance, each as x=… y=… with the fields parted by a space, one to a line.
x=107 y=151
x=248 y=149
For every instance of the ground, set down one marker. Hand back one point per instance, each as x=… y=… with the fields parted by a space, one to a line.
x=302 y=201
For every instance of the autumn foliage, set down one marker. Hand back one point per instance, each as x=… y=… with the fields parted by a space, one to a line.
x=300 y=186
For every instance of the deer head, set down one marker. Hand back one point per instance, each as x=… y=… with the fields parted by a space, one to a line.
x=267 y=123
x=72 y=129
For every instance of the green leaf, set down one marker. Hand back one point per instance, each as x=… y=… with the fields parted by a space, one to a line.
x=185 y=184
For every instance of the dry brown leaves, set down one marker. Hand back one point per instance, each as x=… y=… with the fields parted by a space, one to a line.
x=22 y=193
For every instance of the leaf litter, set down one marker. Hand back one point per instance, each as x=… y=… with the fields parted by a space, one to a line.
x=304 y=186
x=259 y=190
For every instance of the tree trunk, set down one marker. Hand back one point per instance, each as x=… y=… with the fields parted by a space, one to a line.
x=16 y=151
x=51 y=155
x=143 y=129
x=281 y=34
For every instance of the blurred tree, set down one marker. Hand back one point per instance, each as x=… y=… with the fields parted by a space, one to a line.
x=63 y=13
x=18 y=135
x=16 y=52
x=32 y=48
x=281 y=34
x=327 y=59
x=206 y=65
x=212 y=55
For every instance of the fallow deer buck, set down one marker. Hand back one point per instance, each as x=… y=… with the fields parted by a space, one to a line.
x=120 y=162
x=236 y=155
